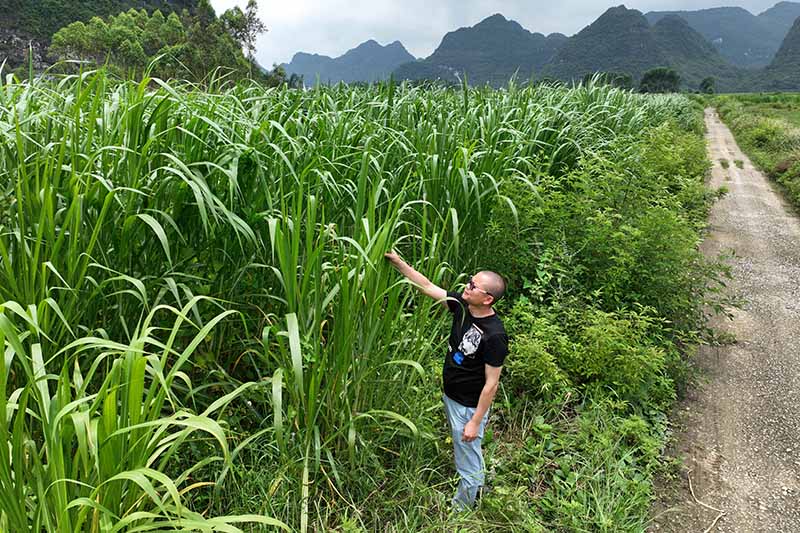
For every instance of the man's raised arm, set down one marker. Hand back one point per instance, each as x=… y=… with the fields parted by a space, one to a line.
x=422 y=283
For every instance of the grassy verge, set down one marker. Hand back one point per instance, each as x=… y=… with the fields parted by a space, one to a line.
x=767 y=128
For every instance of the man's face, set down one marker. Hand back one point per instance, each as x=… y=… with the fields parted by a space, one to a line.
x=475 y=291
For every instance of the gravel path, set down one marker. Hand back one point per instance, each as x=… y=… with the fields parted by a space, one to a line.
x=739 y=434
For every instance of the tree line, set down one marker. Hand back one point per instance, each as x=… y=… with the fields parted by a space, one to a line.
x=656 y=80
x=179 y=45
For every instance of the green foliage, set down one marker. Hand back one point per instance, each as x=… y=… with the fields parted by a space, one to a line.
x=620 y=231
x=620 y=80
x=708 y=85
x=619 y=359
x=587 y=473
x=192 y=48
x=540 y=348
x=278 y=205
x=601 y=354
x=244 y=26
x=660 y=80
x=767 y=128
x=87 y=445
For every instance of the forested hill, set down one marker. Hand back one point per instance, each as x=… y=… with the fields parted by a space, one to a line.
x=784 y=71
x=489 y=52
x=367 y=62
x=26 y=21
x=43 y=18
x=620 y=40
x=694 y=57
x=742 y=38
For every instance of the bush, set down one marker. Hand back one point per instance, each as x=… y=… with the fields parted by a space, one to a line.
x=538 y=348
x=620 y=360
x=660 y=80
x=600 y=354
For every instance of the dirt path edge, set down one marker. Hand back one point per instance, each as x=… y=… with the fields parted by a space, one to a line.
x=738 y=433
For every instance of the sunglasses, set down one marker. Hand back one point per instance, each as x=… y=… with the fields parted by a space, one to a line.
x=471 y=286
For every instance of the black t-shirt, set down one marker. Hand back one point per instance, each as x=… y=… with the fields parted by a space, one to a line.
x=474 y=342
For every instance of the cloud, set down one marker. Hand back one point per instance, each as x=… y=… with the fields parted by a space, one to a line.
x=332 y=27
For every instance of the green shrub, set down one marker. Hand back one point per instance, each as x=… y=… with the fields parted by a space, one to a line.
x=592 y=472
x=538 y=347
x=615 y=355
x=619 y=360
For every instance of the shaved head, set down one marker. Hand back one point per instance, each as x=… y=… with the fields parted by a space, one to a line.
x=494 y=283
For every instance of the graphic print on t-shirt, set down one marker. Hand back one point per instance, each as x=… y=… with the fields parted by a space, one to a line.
x=469 y=344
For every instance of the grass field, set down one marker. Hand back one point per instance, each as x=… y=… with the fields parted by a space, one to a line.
x=767 y=127
x=785 y=106
x=201 y=331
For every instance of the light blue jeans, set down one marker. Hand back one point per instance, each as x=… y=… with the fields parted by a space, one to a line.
x=468 y=455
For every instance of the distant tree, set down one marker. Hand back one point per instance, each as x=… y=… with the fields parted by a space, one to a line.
x=660 y=80
x=123 y=28
x=205 y=13
x=708 y=85
x=172 y=31
x=130 y=55
x=99 y=36
x=153 y=39
x=276 y=77
x=295 y=81
x=244 y=26
x=71 y=42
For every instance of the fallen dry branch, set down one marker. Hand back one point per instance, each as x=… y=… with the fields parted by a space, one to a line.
x=720 y=512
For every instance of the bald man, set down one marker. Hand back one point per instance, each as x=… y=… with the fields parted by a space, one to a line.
x=477 y=349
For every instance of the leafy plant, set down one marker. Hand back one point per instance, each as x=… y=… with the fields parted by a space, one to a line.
x=87 y=448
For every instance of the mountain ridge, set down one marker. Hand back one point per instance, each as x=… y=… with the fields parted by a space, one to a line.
x=784 y=71
x=634 y=50
x=742 y=38
x=491 y=51
x=368 y=62
x=620 y=41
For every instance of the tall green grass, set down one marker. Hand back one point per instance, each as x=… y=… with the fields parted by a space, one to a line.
x=122 y=201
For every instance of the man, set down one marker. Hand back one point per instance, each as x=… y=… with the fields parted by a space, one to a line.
x=477 y=349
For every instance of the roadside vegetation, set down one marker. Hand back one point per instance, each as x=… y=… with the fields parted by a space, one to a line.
x=199 y=321
x=767 y=127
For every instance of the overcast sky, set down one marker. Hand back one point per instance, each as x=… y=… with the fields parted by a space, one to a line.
x=331 y=27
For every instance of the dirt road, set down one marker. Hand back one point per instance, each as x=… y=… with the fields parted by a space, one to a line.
x=739 y=433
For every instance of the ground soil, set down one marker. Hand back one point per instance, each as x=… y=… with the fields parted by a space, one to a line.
x=738 y=432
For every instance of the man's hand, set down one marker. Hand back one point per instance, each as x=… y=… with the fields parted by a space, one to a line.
x=470 y=432
x=422 y=283
x=392 y=257
x=472 y=427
